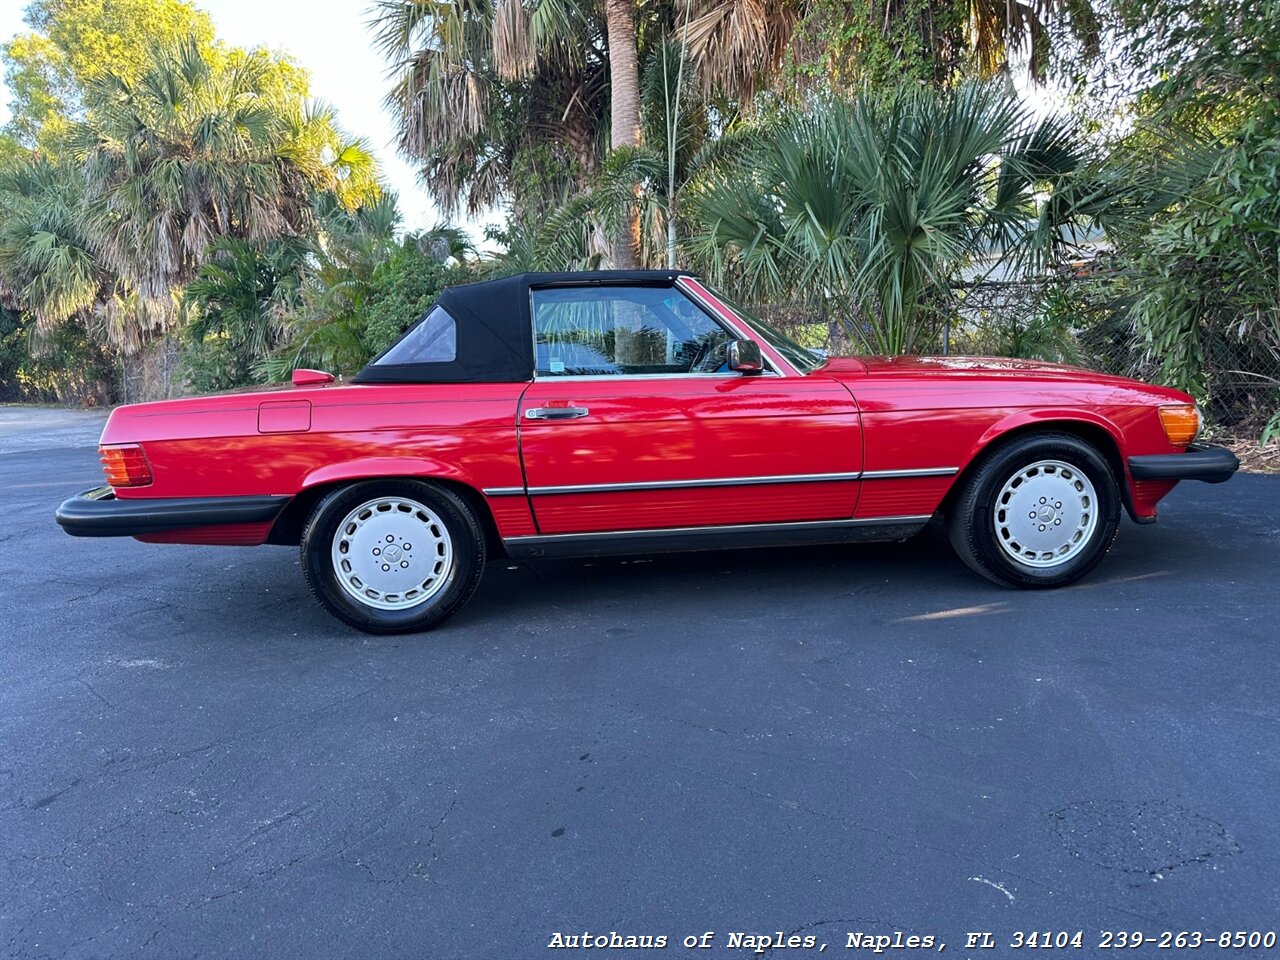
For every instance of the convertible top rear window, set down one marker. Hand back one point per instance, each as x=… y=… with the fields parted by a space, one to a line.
x=433 y=340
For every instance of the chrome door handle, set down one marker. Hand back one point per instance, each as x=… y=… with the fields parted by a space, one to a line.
x=555 y=413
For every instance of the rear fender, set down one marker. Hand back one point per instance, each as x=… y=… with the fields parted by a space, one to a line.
x=374 y=468
x=512 y=519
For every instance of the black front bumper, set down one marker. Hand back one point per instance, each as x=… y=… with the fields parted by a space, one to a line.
x=1200 y=462
x=97 y=513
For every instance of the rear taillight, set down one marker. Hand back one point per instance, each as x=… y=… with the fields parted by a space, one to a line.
x=125 y=465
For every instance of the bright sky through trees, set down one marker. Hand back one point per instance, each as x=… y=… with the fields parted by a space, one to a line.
x=329 y=39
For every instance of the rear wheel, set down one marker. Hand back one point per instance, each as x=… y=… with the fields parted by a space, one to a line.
x=1039 y=511
x=392 y=556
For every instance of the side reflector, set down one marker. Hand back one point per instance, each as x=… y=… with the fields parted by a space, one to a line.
x=1181 y=423
x=125 y=465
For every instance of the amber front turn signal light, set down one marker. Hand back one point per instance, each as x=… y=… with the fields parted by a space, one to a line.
x=125 y=465
x=1181 y=423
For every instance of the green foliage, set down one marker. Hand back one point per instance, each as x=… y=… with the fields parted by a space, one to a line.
x=486 y=92
x=237 y=304
x=545 y=181
x=76 y=42
x=194 y=151
x=868 y=209
x=349 y=319
x=862 y=44
x=1203 y=232
x=47 y=263
x=70 y=368
x=363 y=289
x=851 y=44
x=156 y=151
x=683 y=145
x=1271 y=431
x=560 y=241
x=1044 y=329
x=402 y=290
x=14 y=351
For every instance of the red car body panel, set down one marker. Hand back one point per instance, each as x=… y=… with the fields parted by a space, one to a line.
x=927 y=411
x=861 y=439
x=698 y=428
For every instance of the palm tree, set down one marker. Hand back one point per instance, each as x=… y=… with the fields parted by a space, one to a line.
x=681 y=147
x=192 y=152
x=569 y=237
x=624 y=114
x=47 y=264
x=738 y=46
x=483 y=88
x=479 y=84
x=363 y=286
x=238 y=303
x=444 y=243
x=867 y=209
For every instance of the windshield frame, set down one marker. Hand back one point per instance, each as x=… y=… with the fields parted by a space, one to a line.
x=804 y=360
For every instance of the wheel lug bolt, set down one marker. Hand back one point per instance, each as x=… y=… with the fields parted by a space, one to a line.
x=391 y=539
x=386 y=567
x=409 y=546
x=1043 y=500
x=404 y=564
x=1057 y=523
x=1032 y=514
x=377 y=552
x=1042 y=528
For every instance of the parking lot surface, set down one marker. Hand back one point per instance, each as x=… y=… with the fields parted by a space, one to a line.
x=198 y=761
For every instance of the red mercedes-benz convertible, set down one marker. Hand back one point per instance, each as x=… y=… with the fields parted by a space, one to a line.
x=633 y=412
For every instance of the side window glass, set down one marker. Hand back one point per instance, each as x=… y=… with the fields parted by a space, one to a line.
x=434 y=340
x=603 y=330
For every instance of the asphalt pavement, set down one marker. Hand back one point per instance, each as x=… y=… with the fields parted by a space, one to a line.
x=195 y=760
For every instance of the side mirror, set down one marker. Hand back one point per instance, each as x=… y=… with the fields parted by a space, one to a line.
x=744 y=356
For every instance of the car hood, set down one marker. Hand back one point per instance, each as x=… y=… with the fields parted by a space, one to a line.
x=984 y=367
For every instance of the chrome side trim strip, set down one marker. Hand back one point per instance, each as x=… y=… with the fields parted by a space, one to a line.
x=689 y=484
x=907 y=474
x=721 y=482
x=550 y=538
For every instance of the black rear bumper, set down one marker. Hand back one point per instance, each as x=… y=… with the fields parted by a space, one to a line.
x=97 y=513
x=1200 y=462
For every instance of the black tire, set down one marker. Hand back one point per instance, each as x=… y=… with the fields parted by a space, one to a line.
x=978 y=521
x=457 y=579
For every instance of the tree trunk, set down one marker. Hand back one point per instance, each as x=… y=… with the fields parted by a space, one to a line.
x=579 y=132
x=624 y=114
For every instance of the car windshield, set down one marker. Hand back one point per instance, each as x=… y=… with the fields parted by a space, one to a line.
x=802 y=358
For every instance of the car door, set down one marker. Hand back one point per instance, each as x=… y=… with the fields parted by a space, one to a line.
x=634 y=422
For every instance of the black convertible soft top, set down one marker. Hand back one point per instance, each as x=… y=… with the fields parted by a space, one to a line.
x=494 y=333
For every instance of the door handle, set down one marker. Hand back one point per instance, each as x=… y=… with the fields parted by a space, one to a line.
x=555 y=413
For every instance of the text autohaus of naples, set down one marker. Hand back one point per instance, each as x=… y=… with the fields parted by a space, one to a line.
x=758 y=943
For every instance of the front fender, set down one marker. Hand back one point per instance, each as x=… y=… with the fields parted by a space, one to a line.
x=1140 y=498
x=1022 y=419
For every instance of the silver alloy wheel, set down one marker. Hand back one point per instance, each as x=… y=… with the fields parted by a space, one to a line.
x=1045 y=513
x=392 y=553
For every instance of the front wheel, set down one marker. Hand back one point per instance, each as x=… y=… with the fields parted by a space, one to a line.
x=392 y=556
x=1040 y=511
